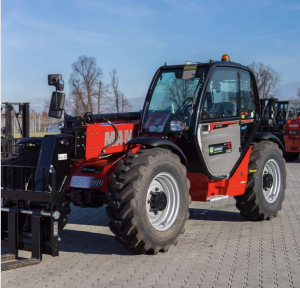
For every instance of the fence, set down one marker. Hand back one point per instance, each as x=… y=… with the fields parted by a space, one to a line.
x=39 y=125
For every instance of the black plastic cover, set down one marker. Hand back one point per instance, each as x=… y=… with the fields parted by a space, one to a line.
x=156 y=142
x=260 y=136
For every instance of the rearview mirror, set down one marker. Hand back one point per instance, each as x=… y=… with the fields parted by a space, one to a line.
x=56 y=80
x=53 y=79
x=56 y=105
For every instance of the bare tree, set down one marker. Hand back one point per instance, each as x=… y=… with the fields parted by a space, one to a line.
x=114 y=80
x=85 y=85
x=267 y=79
x=298 y=94
x=120 y=102
x=178 y=91
x=126 y=106
x=46 y=105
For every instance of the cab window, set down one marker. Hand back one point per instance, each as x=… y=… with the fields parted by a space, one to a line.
x=247 y=106
x=297 y=110
x=291 y=112
x=221 y=95
x=280 y=112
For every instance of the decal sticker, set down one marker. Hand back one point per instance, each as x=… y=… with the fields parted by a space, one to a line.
x=124 y=137
x=91 y=170
x=218 y=126
x=62 y=156
x=86 y=182
x=220 y=148
x=55 y=229
x=156 y=128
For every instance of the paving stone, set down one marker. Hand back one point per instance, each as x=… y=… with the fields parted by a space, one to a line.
x=219 y=249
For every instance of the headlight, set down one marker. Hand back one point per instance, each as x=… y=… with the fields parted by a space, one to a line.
x=61 y=125
x=177 y=126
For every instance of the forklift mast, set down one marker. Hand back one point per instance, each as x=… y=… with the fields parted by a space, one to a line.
x=8 y=139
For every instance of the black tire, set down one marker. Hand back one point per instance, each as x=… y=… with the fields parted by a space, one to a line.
x=127 y=200
x=253 y=204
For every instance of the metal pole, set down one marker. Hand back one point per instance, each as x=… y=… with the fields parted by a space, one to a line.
x=32 y=121
x=28 y=212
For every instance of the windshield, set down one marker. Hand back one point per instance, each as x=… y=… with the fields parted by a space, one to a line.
x=173 y=93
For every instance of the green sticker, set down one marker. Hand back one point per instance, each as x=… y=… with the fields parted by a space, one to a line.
x=211 y=150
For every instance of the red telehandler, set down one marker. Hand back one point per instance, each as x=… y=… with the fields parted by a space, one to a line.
x=291 y=131
x=195 y=139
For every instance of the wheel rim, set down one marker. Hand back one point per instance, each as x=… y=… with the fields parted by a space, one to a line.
x=272 y=193
x=166 y=183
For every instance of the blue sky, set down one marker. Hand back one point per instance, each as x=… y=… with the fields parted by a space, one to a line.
x=40 y=37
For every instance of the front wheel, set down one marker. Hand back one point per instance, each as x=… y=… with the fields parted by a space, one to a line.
x=149 y=200
x=266 y=183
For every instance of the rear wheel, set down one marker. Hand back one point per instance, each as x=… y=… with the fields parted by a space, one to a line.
x=266 y=186
x=149 y=200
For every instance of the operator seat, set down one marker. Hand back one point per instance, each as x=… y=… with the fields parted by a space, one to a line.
x=226 y=108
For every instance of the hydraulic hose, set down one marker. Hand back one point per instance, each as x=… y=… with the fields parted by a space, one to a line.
x=111 y=144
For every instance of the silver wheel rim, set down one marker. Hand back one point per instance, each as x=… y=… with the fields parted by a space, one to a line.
x=166 y=183
x=271 y=194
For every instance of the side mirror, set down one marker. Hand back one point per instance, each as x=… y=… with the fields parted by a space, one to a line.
x=56 y=80
x=56 y=105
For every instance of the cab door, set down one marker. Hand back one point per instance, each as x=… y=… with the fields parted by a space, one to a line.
x=219 y=134
x=249 y=107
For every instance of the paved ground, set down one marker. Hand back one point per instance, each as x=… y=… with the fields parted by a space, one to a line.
x=219 y=249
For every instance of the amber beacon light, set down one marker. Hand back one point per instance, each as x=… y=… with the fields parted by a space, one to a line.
x=225 y=57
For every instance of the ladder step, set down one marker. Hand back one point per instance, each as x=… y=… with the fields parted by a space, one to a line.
x=215 y=198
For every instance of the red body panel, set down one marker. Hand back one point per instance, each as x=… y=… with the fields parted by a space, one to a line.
x=106 y=167
x=202 y=187
x=292 y=138
x=101 y=134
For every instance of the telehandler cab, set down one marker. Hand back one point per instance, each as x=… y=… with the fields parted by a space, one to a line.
x=195 y=139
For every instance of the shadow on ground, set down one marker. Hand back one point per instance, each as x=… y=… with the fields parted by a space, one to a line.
x=75 y=241
x=215 y=215
x=88 y=216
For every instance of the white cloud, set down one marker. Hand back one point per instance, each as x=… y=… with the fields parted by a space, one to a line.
x=124 y=9
x=59 y=32
x=278 y=34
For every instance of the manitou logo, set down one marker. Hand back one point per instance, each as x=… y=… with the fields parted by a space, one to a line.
x=110 y=137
